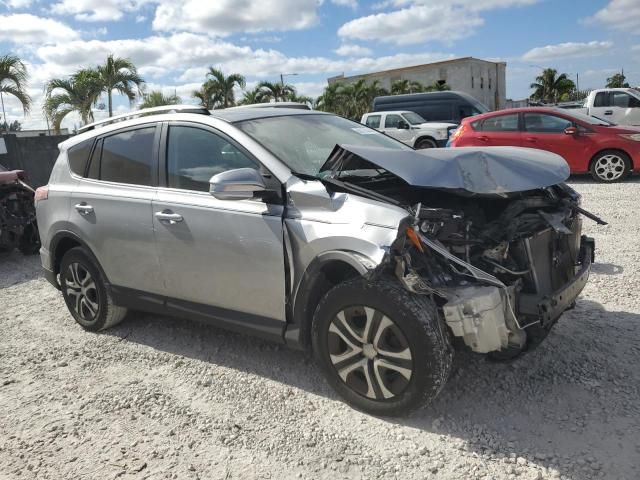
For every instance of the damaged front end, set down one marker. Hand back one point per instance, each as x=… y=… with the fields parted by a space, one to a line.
x=501 y=263
x=18 y=228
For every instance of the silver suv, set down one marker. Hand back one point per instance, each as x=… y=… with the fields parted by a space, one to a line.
x=317 y=232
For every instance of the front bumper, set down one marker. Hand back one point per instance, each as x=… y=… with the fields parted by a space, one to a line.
x=548 y=308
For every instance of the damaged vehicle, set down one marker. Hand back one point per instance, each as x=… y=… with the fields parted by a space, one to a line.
x=18 y=228
x=313 y=231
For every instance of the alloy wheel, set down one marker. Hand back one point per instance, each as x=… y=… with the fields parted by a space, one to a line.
x=81 y=290
x=370 y=353
x=609 y=167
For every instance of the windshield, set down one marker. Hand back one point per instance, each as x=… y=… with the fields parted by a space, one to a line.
x=304 y=142
x=588 y=119
x=413 y=118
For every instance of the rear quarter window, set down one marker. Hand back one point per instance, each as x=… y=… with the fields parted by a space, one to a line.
x=79 y=156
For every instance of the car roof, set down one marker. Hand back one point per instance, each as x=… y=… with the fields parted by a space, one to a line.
x=233 y=115
x=228 y=115
x=507 y=111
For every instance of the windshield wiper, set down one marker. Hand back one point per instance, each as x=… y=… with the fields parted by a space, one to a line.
x=304 y=176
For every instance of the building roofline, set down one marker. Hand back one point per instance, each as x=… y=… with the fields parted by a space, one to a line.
x=413 y=67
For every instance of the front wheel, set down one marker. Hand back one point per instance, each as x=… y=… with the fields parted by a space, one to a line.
x=382 y=348
x=610 y=166
x=425 y=143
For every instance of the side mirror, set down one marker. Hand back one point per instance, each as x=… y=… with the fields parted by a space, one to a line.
x=402 y=125
x=237 y=184
x=571 y=131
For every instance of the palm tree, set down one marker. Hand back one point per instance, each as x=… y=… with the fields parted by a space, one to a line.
x=400 y=87
x=156 y=98
x=617 y=81
x=13 y=81
x=550 y=87
x=208 y=99
x=277 y=92
x=330 y=98
x=119 y=74
x=255 y=95
x=219 y=85
x=76 y=94
x=437 y=86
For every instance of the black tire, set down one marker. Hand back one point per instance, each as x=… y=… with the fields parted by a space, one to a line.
x=30 y=241
x=610 y=166
x=415 y=327
x=85 y=293
x=426 y=143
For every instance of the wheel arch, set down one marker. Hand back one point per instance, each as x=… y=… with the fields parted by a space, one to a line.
x=64 y=241
x=323 y=273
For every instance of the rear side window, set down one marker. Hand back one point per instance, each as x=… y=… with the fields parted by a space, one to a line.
x=601 y=100
x=373 y=121
x=79 y=156
x=127 y=157
x=501 y=123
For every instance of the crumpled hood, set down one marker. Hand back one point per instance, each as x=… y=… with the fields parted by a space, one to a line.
x=477 y=170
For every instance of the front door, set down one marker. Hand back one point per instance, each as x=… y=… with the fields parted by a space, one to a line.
x=226 y=255
x=391 y=122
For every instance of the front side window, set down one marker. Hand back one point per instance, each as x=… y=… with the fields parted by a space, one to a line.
x=195 y=155
x=373 y=121
x=501 y=123
x=413 y=118
x=79 y=155
x=392 y=121
x=127 y=157
x=624 y=100
x=542 y=123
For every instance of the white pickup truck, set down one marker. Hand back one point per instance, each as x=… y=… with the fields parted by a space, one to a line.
x=410 y=128
x=618 y=105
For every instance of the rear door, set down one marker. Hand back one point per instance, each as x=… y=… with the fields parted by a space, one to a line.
x=498 y=130
x=111 y=207
x=225 y=255
x=546 y=132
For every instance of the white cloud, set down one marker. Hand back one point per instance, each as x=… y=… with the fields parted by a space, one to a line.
x=348 y=50
x=417 y=21
x=566 y=50
x=23 y=28
x=17 y=4
x=97 y=10
x=416 y=24
x=346 y=3
x=140 y=18
x=223 y=17
x=619 y=14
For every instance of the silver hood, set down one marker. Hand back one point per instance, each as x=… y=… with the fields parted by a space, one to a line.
x=477 y=170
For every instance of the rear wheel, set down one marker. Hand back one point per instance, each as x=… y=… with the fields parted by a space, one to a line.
x=383 y=349
x=85 y=292
x=426 y=143
x=610 y=166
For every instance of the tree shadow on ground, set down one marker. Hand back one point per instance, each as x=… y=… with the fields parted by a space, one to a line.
x=546 y=407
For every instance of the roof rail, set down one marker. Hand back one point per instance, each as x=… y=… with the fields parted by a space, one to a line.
x=143 y=112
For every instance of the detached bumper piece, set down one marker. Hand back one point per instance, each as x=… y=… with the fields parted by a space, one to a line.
x=548 y=308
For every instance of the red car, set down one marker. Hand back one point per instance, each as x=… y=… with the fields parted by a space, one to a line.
x=589 y=145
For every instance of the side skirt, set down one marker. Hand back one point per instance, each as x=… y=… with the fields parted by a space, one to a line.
x=245 y=323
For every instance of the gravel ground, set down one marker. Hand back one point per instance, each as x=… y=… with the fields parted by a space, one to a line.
x=159 y=397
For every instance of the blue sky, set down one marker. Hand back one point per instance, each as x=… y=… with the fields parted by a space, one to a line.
x=173 y=42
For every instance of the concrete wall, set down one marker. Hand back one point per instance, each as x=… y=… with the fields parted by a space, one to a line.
x=483 y=80
x=34 y=155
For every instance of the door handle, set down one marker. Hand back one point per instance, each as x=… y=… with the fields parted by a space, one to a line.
x=83 y=208
x=167 y=216
x=608 y=112
x=531 y=139
x=483 y=138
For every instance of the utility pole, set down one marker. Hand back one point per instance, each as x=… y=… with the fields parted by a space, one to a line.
x=577 y=82
x=4 y=115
